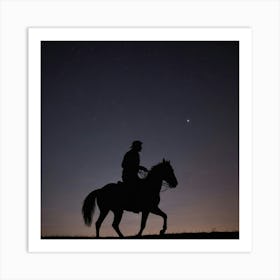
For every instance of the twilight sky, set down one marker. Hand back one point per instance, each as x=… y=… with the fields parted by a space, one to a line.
x=97 y=97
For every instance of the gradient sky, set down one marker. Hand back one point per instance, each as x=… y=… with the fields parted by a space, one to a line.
x=97 y=97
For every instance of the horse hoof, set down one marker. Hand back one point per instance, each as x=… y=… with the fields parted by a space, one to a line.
x=162 y=232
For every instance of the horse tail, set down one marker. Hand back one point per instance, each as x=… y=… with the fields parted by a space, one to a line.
x=89 y=207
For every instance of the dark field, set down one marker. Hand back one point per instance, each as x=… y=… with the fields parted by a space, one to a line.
x=191 y=235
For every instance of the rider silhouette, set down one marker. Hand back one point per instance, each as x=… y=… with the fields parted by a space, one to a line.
x=131 y=164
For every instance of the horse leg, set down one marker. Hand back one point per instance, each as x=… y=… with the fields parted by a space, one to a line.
x=117 y=219
x=158 y=212
x=102 y=216
x=145 y=215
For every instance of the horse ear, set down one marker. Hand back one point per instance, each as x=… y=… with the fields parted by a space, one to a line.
x=163 y=160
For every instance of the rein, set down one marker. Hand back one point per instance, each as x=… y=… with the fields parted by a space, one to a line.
x=166 y=187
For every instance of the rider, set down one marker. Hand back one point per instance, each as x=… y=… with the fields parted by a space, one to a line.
x=131 y=164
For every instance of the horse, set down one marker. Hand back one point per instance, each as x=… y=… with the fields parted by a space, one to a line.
x=117 y=197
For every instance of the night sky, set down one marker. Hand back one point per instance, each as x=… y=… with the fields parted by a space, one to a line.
x=179 y=98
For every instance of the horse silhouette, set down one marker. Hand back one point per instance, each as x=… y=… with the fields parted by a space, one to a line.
x=144 y=197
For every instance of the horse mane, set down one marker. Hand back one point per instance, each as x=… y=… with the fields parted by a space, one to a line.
x=156 y=167
x=159 y=165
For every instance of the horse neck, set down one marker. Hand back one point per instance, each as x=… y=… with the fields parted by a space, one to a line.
x=154 y=180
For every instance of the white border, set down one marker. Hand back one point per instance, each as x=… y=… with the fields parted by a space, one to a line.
x=263 y=16
x=243 y=35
